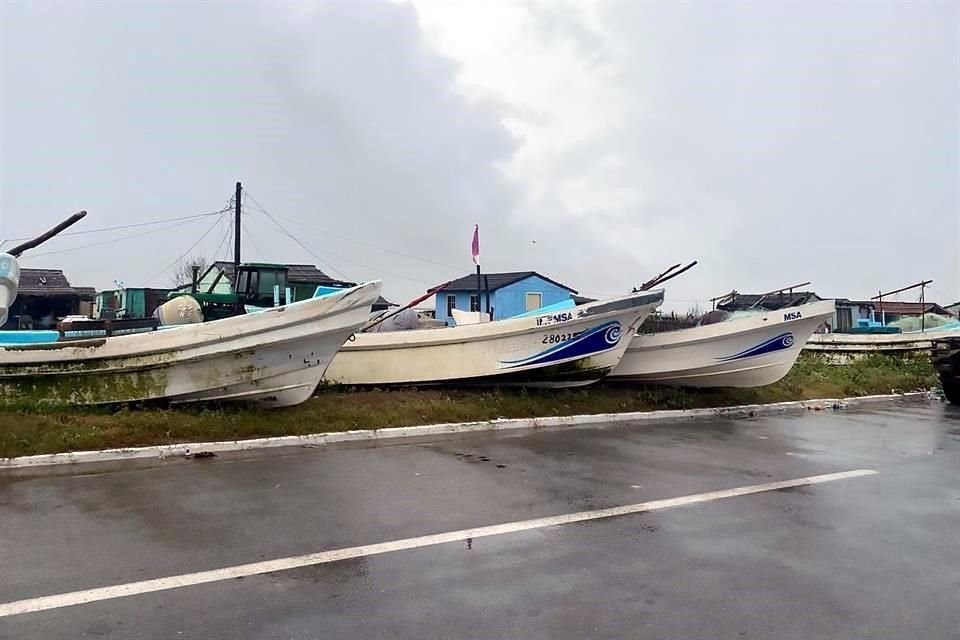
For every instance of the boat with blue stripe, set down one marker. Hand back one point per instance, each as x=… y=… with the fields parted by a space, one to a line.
x=554 y=348
x=750 y=351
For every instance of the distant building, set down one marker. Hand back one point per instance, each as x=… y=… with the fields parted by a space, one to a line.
x=953 y=309
x=130 y=302
x=44 y=296
x=510 y=294
x=849 y=311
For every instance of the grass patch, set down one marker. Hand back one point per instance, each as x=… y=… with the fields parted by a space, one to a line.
x=28 y=431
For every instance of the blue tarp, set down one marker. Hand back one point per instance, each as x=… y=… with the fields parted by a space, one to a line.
x=28 y=337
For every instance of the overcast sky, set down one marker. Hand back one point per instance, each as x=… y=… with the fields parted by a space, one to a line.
x=594 y=142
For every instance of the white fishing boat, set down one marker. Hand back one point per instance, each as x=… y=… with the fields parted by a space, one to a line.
x=750 y=351
x=273 y=358
x=9 y=280
x=568 y=348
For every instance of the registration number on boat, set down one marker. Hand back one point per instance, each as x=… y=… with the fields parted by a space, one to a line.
x=554 y=319
x=556 y=338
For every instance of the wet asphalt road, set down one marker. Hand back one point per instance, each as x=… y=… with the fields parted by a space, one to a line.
x=871 y=557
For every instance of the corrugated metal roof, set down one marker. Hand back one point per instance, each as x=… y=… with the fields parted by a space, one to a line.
x=906 y=308
x=497 y=281
x=44 y=282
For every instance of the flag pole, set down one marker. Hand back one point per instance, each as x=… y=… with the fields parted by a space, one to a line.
x=475 y=251
x=479 y=290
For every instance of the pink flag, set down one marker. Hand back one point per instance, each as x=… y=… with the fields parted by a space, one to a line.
x=475 y=247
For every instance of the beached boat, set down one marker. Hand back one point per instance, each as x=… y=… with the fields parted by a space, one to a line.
x=9 y=279
x=750 y=351
x=568 y=348
x=273 y=358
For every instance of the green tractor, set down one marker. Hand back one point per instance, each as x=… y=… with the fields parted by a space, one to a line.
x=259 y=285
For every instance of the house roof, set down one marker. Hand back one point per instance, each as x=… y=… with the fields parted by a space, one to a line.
x=48 y=282
x=86 y=293
x=909 y=308
x=497 y=281
x=770 y=302
x=296 y=273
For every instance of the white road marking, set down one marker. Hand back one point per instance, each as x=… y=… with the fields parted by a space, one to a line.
x=87 y=596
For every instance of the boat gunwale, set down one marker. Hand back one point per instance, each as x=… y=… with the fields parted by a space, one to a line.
x=487 y=331
x=713 y=332
x=258 y=323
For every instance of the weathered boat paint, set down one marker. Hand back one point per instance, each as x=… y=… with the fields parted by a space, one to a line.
x=274 y=358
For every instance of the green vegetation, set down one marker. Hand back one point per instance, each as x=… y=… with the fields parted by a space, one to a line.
x=31 y=431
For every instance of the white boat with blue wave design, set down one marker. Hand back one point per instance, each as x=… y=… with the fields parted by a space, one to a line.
x=568 y=348
x=750 y=351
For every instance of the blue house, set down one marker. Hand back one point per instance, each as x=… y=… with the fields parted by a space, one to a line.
x=510 y=294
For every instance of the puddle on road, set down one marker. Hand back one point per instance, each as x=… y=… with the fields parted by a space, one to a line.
x=338 y=572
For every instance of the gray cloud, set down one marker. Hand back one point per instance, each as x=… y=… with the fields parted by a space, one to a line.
x=789 y=141
x=336 y=116
x=775 y=142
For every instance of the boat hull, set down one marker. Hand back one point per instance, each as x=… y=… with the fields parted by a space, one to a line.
x=746 y=352
x=274 y=358
x=565 y=349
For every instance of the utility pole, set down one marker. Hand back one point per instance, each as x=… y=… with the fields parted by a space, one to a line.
x=236 y=233
x=923 y=309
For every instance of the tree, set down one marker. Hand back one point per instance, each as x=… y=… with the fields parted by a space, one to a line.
x=695 y=311
x=184 y=273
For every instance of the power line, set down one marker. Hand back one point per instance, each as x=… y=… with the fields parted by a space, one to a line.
x=106 y=242
x=944 y=296
x=365 y=244
x=126 y=226
x=324 y=261
x=243 y=224
x=226 y=234
x=182 y=255
x=327 y=263
x=295 y=239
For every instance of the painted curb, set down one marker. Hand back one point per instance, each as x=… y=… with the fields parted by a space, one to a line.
x=502 y=424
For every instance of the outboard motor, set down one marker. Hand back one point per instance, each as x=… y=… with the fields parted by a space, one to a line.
x=9 y=281
x=179 y=310
x=406 y=320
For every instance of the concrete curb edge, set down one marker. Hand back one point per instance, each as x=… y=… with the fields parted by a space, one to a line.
x=501 y=424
